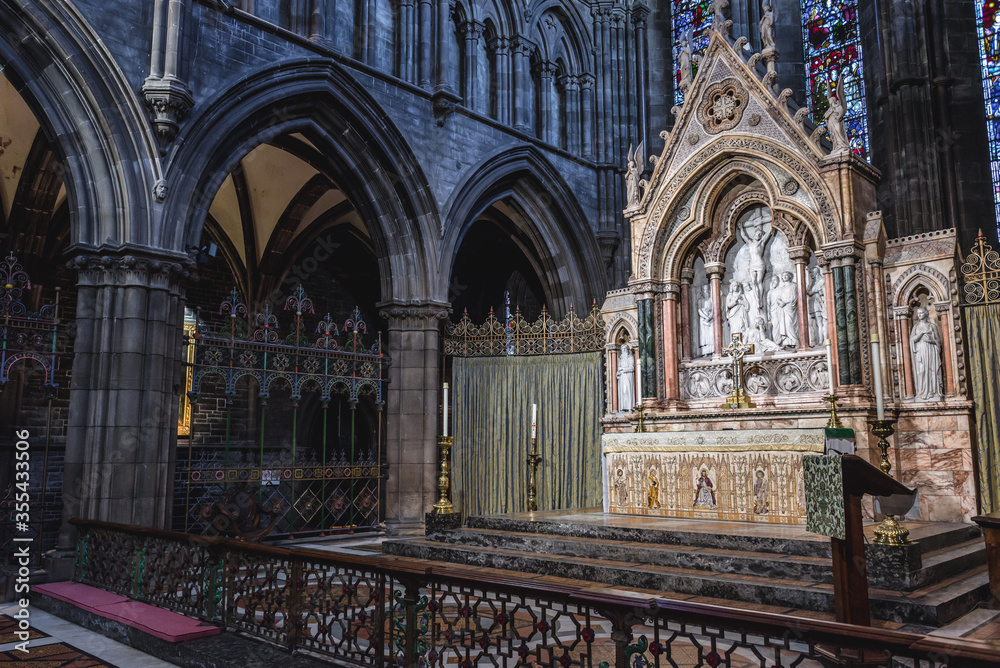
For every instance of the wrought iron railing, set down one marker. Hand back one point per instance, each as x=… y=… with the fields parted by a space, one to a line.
x=513 y=335
x=400 y=612
x=981 y=274
x=315 y=487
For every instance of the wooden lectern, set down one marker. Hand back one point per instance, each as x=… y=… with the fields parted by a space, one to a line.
x=850 y=573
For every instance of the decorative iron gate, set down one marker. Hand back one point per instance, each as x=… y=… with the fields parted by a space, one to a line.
x=315 y=486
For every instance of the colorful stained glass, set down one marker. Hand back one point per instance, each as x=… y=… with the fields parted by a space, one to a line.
x=989 y=52
x=832 y=44
x=692 y=20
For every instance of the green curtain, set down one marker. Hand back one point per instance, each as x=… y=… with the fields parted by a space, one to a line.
x=493 y=397
x=984 y=370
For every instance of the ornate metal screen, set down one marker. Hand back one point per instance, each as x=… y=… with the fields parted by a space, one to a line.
x=981 y=274
x=516 y=336
x=316 y=487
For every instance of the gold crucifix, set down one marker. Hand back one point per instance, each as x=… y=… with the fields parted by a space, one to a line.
x=738 y=398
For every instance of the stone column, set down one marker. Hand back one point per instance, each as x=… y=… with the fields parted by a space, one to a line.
x=521 y=49
x=686 y=277
x=670 y=368
x=426 y=28
x=406 y=68
x=317 y=20
x=640 y=12
x=165 y=90
x=800 y=255
x=471 y=32
x=501 y=50
x=647 y=343
x=445 y=36
x=412 y=422
x=571 y=85
x=845 y=294
x=545 y=112
x=587 y=114
x=949 y=371
x=612 y=349
x=121 y=435
x=715 y=271
x=902 y=316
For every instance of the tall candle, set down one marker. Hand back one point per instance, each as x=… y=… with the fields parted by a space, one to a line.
x=877 y=368
x=444 y=424
x=534 y=418
x=638 y=380
x=829 y=364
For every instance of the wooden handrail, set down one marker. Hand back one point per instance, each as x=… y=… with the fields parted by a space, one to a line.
x=962 y=651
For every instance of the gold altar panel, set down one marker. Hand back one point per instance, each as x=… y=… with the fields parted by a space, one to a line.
x=758 y=486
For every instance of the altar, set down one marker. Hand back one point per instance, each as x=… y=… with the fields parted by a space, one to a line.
x=748 y=475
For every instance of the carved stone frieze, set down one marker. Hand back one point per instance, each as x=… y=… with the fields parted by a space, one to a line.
x=801 y=374
x=133 y=268
x=170 y=100
x=413 y=315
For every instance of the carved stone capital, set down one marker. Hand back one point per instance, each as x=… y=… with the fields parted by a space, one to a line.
x=170 y=100
x=799 y=254
x=687 y=275
x=901 y=313
x=715 y=269
x=413 y=315
x=133 y=266
x=842 y=250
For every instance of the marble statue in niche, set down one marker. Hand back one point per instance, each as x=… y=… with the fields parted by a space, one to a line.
x=925 y=352
x=760 y=490
x=756 y=232
x=653 y=499
x=817 y=307
x=706 y=320
x=704 y=495
x=767 y=27
x=626 y=379
x=737 y=312
x=785 y=316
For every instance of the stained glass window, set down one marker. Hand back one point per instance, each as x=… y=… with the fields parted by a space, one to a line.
x=691 y=19
x=832 y=43
x=989 y=51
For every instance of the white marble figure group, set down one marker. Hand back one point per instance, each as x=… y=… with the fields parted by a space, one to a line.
x=769 y=318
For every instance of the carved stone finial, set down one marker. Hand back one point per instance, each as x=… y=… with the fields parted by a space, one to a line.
x=719 y=21
x=784 y=97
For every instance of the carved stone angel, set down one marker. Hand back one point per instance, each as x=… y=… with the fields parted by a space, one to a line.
x=767 y=27
x=684 y=61
x=834 y=117
x=634 y=186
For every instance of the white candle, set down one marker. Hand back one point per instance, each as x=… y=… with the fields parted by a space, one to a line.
x=638 y=380
x=877 y=369
x=829 y=364
x=444 y=424
x=534 y=418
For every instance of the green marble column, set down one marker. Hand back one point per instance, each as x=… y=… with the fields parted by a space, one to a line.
x=647 y=347
x=853 y=334
x=840 y=313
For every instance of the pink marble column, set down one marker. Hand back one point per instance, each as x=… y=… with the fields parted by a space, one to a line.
x=831 y=324
x=670 y=368
x=949 y=372
x=904 y=347
x=613 y=369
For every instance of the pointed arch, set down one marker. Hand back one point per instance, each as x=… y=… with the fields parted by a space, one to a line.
x=364 y=154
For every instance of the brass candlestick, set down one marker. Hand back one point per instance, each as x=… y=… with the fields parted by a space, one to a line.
x=534 y=459
x=834 y=421
x=443 y=505
x=883 y=429
x=640 y=427
x=890 y=532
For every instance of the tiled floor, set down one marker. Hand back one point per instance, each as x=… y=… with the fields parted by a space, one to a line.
x=60 y=631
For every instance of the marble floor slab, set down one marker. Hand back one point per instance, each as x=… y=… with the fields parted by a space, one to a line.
x=59 y=630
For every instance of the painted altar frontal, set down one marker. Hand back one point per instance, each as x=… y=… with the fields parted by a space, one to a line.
x=747 y=475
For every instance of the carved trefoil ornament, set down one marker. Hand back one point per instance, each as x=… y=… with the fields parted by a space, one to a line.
x=722 y=106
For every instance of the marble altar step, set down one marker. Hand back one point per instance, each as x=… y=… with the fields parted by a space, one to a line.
x=930 y=607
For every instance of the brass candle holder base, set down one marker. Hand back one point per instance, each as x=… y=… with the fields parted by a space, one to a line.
x=640 y=427
x=443 y=505
x=834 y=421
x=534 y=459
x=891 y=532
x=882 y=430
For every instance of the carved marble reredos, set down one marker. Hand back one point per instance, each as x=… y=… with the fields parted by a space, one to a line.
x=916 y=276
x=680 y=171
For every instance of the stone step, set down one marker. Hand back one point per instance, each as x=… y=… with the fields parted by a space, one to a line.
x=932 y=606
x=715 y=560
x=950 y=561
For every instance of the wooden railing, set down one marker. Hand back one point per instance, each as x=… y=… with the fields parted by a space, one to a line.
x=402 y=612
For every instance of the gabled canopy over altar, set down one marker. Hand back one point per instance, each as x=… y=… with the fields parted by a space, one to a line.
x=752 y=221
